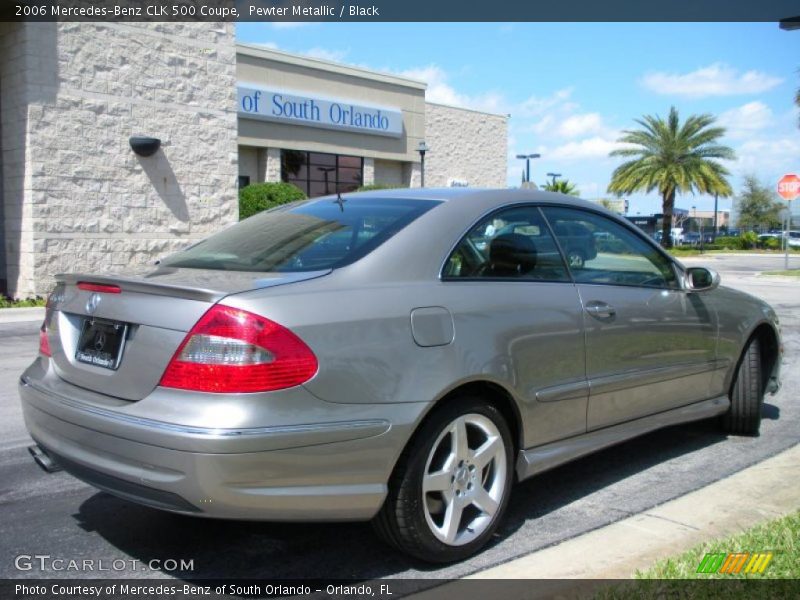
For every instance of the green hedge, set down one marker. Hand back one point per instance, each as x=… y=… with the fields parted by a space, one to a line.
x=261 y=196
x=372 y=187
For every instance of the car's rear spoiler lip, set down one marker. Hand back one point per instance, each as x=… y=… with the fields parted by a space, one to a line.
x=189 y=292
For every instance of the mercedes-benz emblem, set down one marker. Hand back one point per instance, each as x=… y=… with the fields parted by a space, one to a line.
x=93 y=303
x=99 y=341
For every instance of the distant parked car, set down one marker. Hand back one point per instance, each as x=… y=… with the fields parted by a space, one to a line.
x=691 y=239
x=793 y=239
x=764 y=238
x=577 y=241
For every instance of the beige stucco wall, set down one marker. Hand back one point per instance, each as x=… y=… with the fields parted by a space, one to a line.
x=389 y=173
x=248 y=163
x=17 y=234
x=465 y=145
x=86 y=201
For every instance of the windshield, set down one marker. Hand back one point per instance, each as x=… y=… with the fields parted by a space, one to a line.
x=308 y=236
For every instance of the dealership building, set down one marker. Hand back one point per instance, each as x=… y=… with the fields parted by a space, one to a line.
x=75 y=196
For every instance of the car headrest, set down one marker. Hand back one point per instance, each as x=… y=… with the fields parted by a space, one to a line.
x=511 y=254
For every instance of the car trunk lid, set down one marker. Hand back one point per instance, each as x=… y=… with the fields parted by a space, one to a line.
x=116 y=333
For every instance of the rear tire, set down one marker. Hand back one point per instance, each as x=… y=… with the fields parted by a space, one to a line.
x=450 y=487
x=747 y=394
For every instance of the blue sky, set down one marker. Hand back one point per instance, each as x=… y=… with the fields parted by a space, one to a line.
x=570 y=88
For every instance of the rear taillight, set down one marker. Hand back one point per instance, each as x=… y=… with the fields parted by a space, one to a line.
x=44 y=343
x=231 y=350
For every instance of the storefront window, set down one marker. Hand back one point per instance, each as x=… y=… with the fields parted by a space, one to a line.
x=318 y=174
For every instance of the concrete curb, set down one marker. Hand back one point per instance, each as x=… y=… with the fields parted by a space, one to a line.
x=767 y=490
x=18 y=315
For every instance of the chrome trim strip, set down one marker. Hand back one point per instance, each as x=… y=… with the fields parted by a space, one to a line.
x=212 y=432
x=542 y=458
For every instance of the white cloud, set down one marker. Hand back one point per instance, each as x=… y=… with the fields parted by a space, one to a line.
x=717 y=79
x=589 y=148
x=743 y=121
x=535 y=106
x=768 y=157
x=326 y=54
x=442 y=92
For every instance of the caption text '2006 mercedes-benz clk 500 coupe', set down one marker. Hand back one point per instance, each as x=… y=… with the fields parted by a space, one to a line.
x=402 y=356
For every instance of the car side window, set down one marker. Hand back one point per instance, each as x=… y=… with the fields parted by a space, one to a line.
x=513 y=243
x=598 y=250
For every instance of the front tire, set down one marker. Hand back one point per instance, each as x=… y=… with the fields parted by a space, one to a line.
x=450 y=487
x=576 y=259
x=747 y=394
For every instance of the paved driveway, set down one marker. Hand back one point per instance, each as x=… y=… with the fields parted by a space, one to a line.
x=59 y=516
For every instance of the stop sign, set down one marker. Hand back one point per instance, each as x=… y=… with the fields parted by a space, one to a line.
x=789 y=186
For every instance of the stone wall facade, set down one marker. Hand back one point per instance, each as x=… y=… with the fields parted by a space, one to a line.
x=76 y=197
x=466 y=147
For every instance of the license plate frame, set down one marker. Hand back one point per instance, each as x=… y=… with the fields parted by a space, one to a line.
x=101 y=343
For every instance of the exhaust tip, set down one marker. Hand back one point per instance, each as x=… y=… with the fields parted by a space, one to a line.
x=43 y=459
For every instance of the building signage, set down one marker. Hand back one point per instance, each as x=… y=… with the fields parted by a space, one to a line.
x=273 y=105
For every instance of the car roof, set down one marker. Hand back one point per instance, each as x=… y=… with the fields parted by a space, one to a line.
x=466 y=194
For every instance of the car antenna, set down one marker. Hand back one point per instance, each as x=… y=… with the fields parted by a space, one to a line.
x=340 y=201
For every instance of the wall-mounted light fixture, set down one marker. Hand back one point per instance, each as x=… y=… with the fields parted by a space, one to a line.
x=422 y=149
x=145 y=146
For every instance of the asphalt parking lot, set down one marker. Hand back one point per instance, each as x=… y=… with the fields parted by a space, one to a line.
x=62 y=517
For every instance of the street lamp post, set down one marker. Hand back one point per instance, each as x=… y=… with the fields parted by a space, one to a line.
x=527 y=158
x=422 y=149
x=554 y=176
x=716 y=206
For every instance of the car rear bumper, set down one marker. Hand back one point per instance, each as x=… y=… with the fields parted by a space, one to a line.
x=310 y=472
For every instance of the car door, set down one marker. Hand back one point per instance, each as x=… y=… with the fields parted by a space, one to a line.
x=518 y=316
x=650 y=346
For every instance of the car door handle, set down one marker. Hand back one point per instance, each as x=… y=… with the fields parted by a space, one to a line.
x=600 y=310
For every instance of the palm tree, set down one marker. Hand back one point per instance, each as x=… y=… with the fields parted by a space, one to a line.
x=672 y=158
x=562 y=186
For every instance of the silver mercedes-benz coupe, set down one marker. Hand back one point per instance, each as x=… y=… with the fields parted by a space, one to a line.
x=402 y=356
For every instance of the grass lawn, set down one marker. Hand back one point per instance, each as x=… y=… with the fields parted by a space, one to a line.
x=781 y=537
x=677 y=576
x=28 y=302
x=789 y=273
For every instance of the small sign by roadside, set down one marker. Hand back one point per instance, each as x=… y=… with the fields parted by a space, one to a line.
x=789 y=186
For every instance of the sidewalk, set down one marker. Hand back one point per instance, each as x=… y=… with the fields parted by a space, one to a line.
x=767 y=490
x=19 y=315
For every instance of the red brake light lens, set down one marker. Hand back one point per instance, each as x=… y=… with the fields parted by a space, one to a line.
x=44 y=343
x=235 y=351
x=88 y=286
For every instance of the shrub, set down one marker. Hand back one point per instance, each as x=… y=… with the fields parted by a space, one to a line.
x=6 y=302
x=372 y=187
x=729 y=242
x=749 y=239
x=261 y=196
x=772 y=244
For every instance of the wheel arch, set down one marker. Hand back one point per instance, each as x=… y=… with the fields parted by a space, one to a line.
x=769 y=350
x=494 y=393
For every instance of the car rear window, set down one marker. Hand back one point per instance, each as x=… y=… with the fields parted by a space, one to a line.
x=307 y=236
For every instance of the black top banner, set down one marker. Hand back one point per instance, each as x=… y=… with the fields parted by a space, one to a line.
x=787 y=11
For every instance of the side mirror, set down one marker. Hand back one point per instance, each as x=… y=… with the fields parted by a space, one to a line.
x=701 y=279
